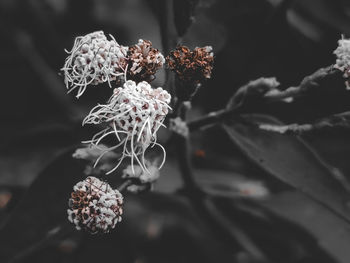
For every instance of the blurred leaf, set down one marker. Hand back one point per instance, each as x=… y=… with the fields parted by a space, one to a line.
x=42 y=210
x=9 y=197
x=317 y=20
x=281 y=238
x=229 y=184
x=197 y=33
x=184 y=14
x=153 y=224
x=332 y=233
x=40 y=220
x=29 y=149
x=169 y=221
x=290 y=160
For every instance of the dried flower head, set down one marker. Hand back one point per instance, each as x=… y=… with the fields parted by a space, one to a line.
x=144 y=61
x=343 y=58
x=191 y=67
x=133 y=114
x=93 y=60
x=94 y=206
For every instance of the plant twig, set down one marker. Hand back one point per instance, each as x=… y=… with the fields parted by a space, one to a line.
x=209 y=119
x=185 y=164
x=308 y=85
x=341 y=120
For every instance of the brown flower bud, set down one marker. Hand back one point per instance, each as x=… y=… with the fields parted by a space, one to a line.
x=191 y=67
x=144 y=61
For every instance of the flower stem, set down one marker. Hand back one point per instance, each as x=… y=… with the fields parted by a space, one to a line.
x=124 y=185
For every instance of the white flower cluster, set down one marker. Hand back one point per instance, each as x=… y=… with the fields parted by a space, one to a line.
x=91 y=153
x=93 y=60
x=131 y=119
x=133 y=114
x=144 y=177
x=343 y=58
x=95 y=206
x=178 y=126
x=343 y=54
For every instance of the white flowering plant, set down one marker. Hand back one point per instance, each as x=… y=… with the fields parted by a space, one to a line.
x=175 y=151
x=130 y=119
x=135 y=111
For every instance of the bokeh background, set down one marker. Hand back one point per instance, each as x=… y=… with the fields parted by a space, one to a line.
x=286 y=39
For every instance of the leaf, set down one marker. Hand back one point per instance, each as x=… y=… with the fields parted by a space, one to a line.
x=184 y=14
x=331 y=232
x=169 y=220
x=26 y=151
x=152 y=225
x=9 y=197
x=43 y=208
x=164 y=218
x=282 y=238
x=319 y=25
x=290 y=160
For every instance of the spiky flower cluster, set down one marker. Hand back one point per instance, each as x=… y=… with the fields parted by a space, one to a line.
x=94 y=206
x=133 y=114
x=93 y=60
x=343 y=58
x=191 y=67
x=144 y=61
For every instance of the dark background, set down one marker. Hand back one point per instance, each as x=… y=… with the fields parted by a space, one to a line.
x=288 y=39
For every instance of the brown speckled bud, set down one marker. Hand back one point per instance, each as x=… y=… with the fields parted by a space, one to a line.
x=191 y=68
x=144 y=61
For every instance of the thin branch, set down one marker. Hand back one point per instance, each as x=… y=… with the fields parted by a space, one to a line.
x=185 y=164
x=208 y=120
x=268 y=94
x=307 y=85
x=341 y=120
x=168 y=37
